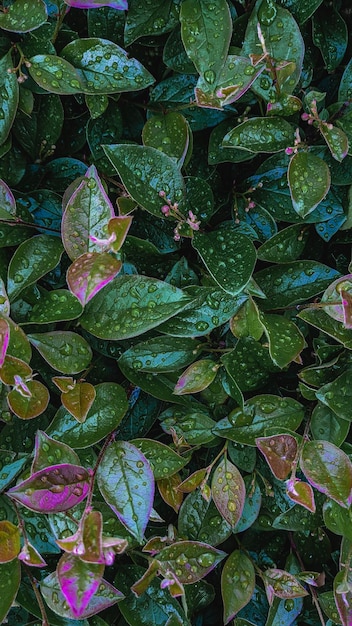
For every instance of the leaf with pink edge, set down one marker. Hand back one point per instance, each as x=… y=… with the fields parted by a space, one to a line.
x=121 y=5
x=343 y=595
x=90 y=272
x=280 y=452
x=196 y=377
x=14 y=367
x=118 y=228
x=302 y=493
x=79 y=400
x=282 y=584
x=339 y=294
x=53 y=489
x=329 y=470
x=79 y=581
x=28 y=399
x=7 y=202
x=30 y=556
x=4 y=300
x=86 y=216
x=4 y=339
x=126 y=482
x=337 y=141
x=228 y=491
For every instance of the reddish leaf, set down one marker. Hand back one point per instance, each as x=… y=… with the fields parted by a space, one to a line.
x=228 y=491
x=118 y=227
x=9 y=541
x=193 y=481
x=302 y=493
x=329 y=470
x=30 y=556
x=64 y=383
x=339 y=293
x=79 y=400
x=53 y=489
x=79 y=581
x=14 y=367
x=169 y=491
x=4 y=339
x=280 y=452
x=28 y=399
x=90 y=272
x=282 y=584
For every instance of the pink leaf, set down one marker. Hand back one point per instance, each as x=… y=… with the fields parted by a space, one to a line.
x=79 y=581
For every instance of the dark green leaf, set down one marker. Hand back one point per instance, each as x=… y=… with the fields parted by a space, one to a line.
x=286 y=341
x=55 y=74
x=153 y=19
x=200 y=520
x=190 y=560
x=22 y=17
x=287 y=245
x=55 y=306
x=331 y=36
x=162 y=354
x=237 y=583
x=261 y=134
x=309 y=181
x=9 y=95
x=65 y=351
x=163 y=460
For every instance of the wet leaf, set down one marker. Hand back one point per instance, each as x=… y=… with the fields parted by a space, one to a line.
x=4 y=339
x=286 y=341
x=229 y=256
x=260 y=134
x=309 y=181
x=145 y=171
x=45 y=253
x=333 y=328
x=247 y=322
x=22 y=17
x=282 y=584
x=168 y=489
x=90 y=272
x=337 y=395
x=55 y=74
x=7 y=202
x=302 y=493
x=48 y=450
x=162 y=459
x=52 y=489
x=345 y=84
x=325 y=424
x=30 y=556
x=339 y=293
x=161 y=354
x=196 y=377
x=30 y=405
x=168 y=133
x=10 y=578
x=329 y=470
x=237 y=583
x=122 y=5
x=55 y=306
x=155 y=19
x=86 y=216
x=337 y=519
x=131 y=305
x=228 y=491
x=10 y=543
x=337 y=141
x=342 y=596
x=189 y=560
x=104 y=416
x=79 y=581
x=200 y=520
x=287 y=245
x=280 y=451
x=330 y=36
x=126 y=482
x=79 y=400
x=65 y=351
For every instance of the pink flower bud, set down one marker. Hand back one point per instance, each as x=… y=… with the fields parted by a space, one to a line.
x=165 y=209
x=289 y=150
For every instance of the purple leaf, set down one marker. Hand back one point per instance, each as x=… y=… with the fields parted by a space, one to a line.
x=79 y=581
x=121 y=5
x=90 y=272
x=53 y=489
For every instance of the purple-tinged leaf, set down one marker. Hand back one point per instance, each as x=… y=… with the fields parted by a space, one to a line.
x=4 y=300
x=47 y=450
x=105 y=596
x=193 y=481
x=10 y=541
x=339 y=294
x=121 y=5
x=316 y=579
x=28 y=399
x=329 y=470
x=237 y=583
x=53 y=489
x=10 y=578
x=30 y=556
x=4 y=339
x=196 y=377
x=79 y=400
x=86 y=216
x=126 y=482
x=14 y=367
x=309 y=181
x=90 y=272
x=7 y=202
x=64 y=350
x=336 y=139
x=189 y=560
x=118 y=228
x=79 y=581
x=343 y=595
x=282 y=584
x=280 y=451
x=228 y=491
x=302 y=493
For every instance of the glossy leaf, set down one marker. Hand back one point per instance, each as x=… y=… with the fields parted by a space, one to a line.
x=345 y=84
x=260 y=134
x=286 y=341
x=196 y=377
x=32 y=403
x=329 y=470
x=189 y=560
x=287 y=245
x=302 y=493
x=55 y=74
x=168 y=489
x=131 y=305
x=337 y=141
x=22 y=17
x=52 y=489
x=330 y=35
x=104 y=416
x=280 y=451
x=65 y=351
x=79 y=581
x=97 y=76
x=229 y=256
x=282 y=584
x=237 y=583
x=145 y=171
x=10 y=578
x=163 y=460
x=337 y=519
x=337 y=395
x=7 y=202
x=247 y=322
x=200 y=520
x=50 y=450
x=90 y=272
x=55 y=306
x=30 y=556
x=45 y=252
x=162 y=354
x=79 y=400
x=10 y=544
x=339 y=293
x=342 y=596
x=86 y=216
x=4 y=339
x=143 y=20
x=319 y=319
x=9 y=96
x=228 y=491
x=122 y=5
x=309 y=181
x=126 y=482
x=206 y=33
x=168 y=133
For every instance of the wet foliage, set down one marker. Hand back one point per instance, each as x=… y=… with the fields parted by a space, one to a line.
x=175 y=312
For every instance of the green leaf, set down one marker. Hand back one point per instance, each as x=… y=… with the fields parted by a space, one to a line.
x=162 y=459
x=65 y=351
x=86 y=216
x=7 y=202
x=189 y=560
x=145 y=20
x=200 y=197
x=325 y=424
x=33 y=259
x=206 y=30
x=337 y=519
x=329 y=470
x=196 y=377
x=330 y=35
x=55 y=74
x=10 y=578
x=337 y=395
x=126 y=482
x=259 y=414
x=309 y=181
x=30 y=405
x=260 y=134
x=145 y=171
x=200 y=520
x=229 y=256
x=247 y=322
x=106 y=413
x=19 y=345
x=285 y=246
x=193 y=425
x=39 y=133
x=228 y=491
x=131 y=305
x=9 y=96
x=337 y=141
x=52 y=451
x=162 y=354
x=237 y=583
x=103 y=67
x=333 y=328
x=249 y=364
x=55 y=306
x=169 y=133
x=21 y=17
x=345 y=90
x=294 y=282
x=282 y=584
x=286 y=341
